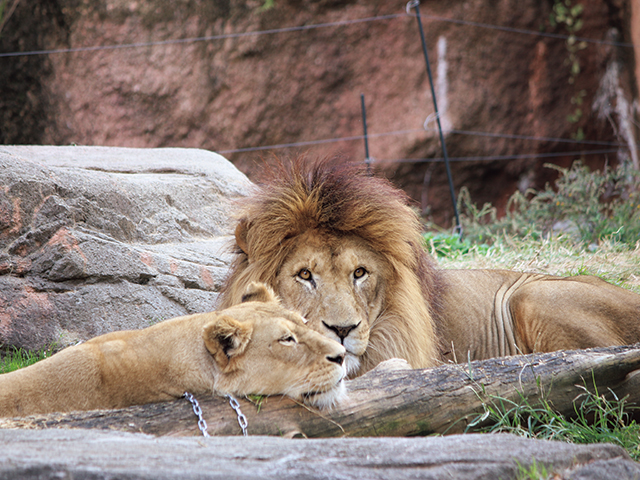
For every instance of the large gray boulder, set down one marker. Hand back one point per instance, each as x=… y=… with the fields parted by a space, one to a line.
x=96 y=455
x=95 y=239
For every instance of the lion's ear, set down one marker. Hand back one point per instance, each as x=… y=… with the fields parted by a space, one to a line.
x=226 y=338
x=242 y=229
x=259 y=292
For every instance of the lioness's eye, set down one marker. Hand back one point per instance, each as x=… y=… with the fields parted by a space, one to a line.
x=359 y=272
x=304 y=274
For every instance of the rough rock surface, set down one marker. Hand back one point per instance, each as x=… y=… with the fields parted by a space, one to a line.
x=98 y=239
x=83 y=454
x=302 y=86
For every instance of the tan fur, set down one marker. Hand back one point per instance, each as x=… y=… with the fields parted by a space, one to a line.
x=254 y=347
x=331 y=220
x=323 y=221
x=490 y=313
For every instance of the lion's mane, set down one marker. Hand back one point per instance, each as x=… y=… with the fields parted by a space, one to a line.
x=342 y=199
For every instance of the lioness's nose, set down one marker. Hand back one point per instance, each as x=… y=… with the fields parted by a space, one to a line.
x=339 y=359
x=342 y=332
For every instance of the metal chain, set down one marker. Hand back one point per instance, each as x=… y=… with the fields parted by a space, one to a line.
x=242 y=420
x=202 y=424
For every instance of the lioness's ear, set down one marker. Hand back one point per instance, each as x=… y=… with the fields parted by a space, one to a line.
x=259 y=292
x=226 y=338
x=241 y=235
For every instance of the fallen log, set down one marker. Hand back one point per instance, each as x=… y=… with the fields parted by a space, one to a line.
x=391 y=400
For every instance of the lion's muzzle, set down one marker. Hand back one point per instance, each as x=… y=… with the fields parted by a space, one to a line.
x=341 y=331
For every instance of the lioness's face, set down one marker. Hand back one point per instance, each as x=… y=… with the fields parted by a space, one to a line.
x=336 y=283
x=282 y=355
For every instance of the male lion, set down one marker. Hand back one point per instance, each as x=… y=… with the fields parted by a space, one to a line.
x=344 y=250
x=254 y=347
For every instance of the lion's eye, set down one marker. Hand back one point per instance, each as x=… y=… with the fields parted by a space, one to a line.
x=304 y=274
x=288 y=340
x=359 y=272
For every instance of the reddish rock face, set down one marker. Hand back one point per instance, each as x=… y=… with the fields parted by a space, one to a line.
x=302 y=86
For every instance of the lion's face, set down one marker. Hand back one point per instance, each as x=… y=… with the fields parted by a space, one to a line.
x=337 y=283
x=344 y=249
x=262 y=348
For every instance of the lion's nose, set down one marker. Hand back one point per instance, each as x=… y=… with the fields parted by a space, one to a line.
x=342 y=332
x=339 y=359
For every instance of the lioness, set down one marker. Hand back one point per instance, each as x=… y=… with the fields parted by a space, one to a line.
x=344 y=249
x=254 y=347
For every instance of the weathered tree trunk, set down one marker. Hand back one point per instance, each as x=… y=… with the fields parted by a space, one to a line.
x=390 y=400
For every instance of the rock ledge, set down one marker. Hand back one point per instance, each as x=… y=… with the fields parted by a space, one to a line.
x=95 y=239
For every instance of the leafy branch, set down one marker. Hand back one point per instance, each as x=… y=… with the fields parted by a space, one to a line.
x=567 y=15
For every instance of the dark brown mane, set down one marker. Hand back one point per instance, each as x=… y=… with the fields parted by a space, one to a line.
x=303 y=194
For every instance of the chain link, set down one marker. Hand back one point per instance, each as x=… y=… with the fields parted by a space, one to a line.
x=242 y=420
x=202 y=424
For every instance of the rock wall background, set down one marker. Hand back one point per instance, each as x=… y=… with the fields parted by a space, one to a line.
x=304 y=86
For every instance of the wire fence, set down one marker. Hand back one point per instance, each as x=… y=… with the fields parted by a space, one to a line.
x=449 y=132
x=380 y=18
x=211 y=38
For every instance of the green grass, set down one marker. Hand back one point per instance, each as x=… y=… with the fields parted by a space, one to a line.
x=444 y=245
x=536 y=471
x=613 y=261
x=597 y=418
x=17 y=358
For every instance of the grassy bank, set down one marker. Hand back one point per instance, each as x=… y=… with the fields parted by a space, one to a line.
x=611 y=260
x=598 y=418
x=587 y=223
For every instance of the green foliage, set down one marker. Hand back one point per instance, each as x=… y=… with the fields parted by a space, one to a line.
x=567 y=15
x=5 y=13
x=257 y=400
x=575 y=117
x=564 y=13
x=17 y=358
x=595 y=419
x=588 y=206
x=441 y=244
x=536 y=471
x=267 y=5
